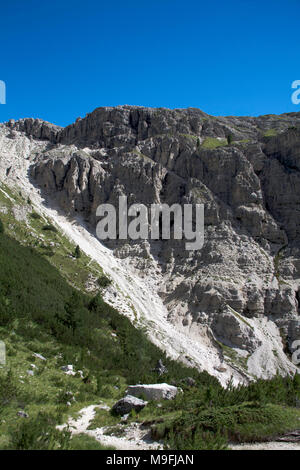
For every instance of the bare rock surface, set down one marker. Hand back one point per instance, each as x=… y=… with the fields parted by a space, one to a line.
x=153 y=392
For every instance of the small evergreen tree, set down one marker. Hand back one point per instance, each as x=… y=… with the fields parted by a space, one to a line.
x=229 y=139
x=77 y=253
x=71 y=318
x=1 y=227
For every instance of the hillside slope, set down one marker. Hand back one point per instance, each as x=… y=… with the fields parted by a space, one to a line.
x=47 y=324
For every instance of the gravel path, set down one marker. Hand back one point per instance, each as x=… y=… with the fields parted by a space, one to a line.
x=136 y=437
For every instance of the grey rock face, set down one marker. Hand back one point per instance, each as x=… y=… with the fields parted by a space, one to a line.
x=153 y=392
x=128 y=403
x=249 y=267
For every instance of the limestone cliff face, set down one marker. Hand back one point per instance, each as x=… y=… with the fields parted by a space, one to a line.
x=249 y=266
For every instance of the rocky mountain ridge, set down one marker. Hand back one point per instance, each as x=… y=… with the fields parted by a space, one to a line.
x=238 y=295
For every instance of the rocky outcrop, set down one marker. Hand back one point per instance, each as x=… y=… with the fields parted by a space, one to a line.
x=35 y=128
x=128 y=403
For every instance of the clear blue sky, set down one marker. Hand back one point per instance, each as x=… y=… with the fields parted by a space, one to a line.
x=61 y=59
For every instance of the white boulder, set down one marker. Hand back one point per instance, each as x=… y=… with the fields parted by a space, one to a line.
x=153 y=392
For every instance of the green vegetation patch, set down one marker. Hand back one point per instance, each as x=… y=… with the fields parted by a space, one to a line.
x=212 y=143
x=270 y=133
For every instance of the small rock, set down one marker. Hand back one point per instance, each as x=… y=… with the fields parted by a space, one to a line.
x=128 y=403
x=22 y=414
x=39 y=356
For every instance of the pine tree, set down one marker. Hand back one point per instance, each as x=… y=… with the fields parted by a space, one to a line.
x=77 y=252
x=229 y=139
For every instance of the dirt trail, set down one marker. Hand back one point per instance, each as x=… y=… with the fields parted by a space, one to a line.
x=134 y=436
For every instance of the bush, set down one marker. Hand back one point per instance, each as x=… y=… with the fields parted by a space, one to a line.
x=50 y=228
x=35 y=215
x=103 y=281
x=39 y=433
x=77 y=252
x=85 y=442
x=229 y=139
x=8 y=388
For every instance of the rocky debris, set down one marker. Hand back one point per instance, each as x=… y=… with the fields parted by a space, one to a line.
x=39 y=356
x=21 y=212
x=128 y=403
x=153 y=392
x=68 y=370
x=22 y=414
x=160 y=368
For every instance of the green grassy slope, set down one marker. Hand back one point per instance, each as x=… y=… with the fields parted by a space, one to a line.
x=41 y=313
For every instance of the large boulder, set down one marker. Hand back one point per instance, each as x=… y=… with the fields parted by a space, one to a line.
x=153 y=392
x=128 y=403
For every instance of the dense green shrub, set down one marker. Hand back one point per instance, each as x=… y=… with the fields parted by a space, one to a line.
x=39 y=433
x=229 y=139
x=50 y=228
x=77 y=252
x=35 y=215
x=32 y=290
x=103 y=281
